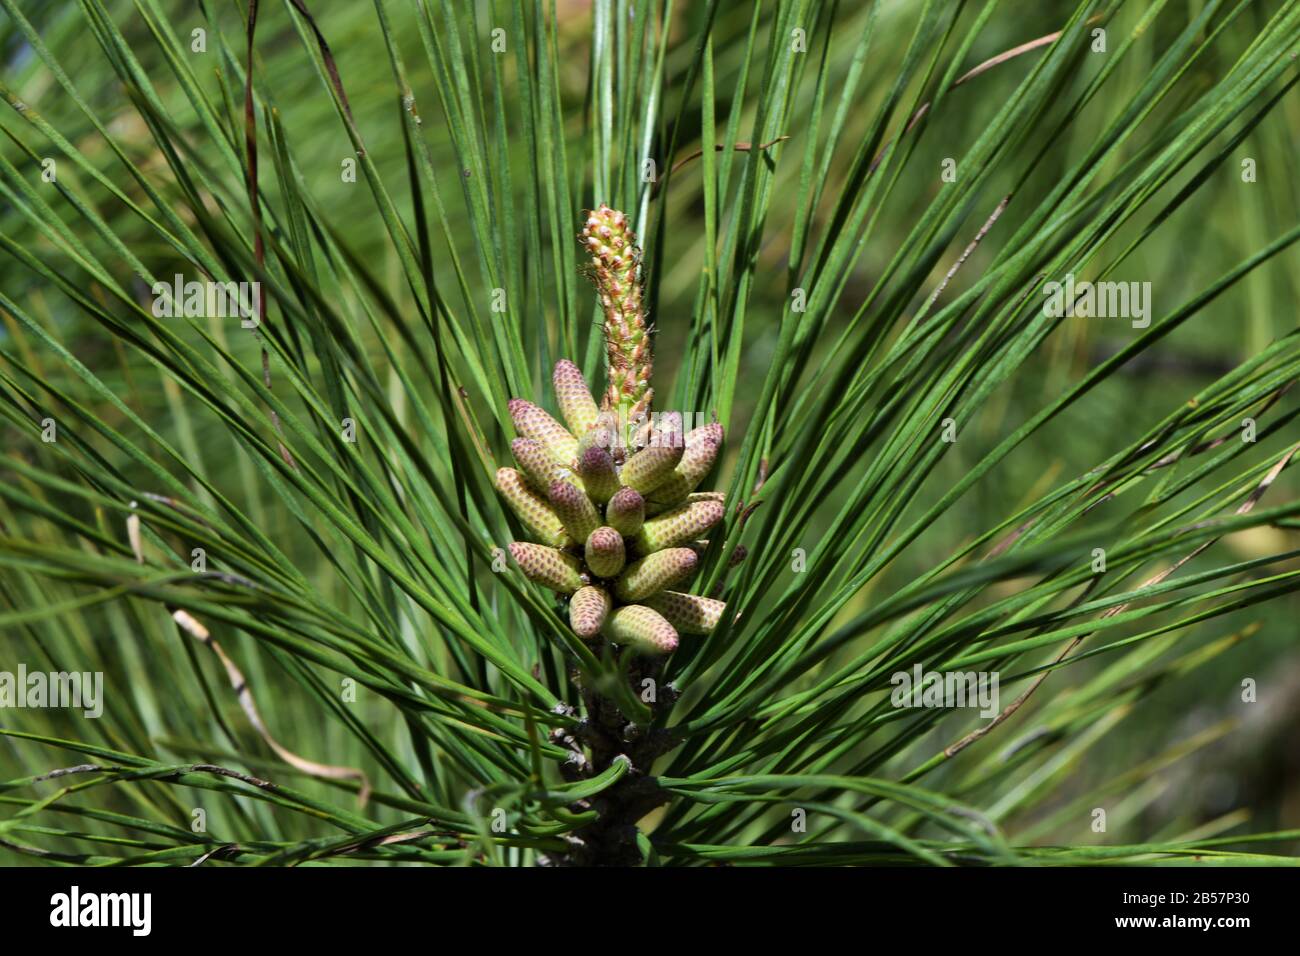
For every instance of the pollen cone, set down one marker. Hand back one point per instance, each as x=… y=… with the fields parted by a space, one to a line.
x=642 y=628
x=702 y=445
x=588 y=609
x=533 y=511
x=684 y=523
x=577 y=407
x=599 y=477
x=626 y=512
x=536 y=463
x=533 y=422
x=605 y=552
x=549 y=567
x=578 y=515
x=650 y=467
x=654 y=572
x=688 y=613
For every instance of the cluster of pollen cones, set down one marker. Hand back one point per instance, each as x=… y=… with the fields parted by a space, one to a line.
x=609 y=495
x=614 y=528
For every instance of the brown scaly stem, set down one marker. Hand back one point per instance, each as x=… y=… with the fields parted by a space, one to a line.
x=607 y=735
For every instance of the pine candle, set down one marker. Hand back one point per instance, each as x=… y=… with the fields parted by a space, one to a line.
x=608 y=496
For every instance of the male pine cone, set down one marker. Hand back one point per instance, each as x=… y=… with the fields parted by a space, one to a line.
x=596 y=547
x=609 y=522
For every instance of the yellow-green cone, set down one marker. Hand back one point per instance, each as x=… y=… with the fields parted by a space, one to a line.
x=654 y=572
x=577 y=407
x=578 y=515
x=533 y=511
x=533 y=422
x=548 y=567
x=684 y=523
x=588 y=609
x=536 y=463
x=625 y=512
x=641 y=628
x=605 y=552
x=599 y=477
x=650 y=467
x=688 y=613
x=702 y=446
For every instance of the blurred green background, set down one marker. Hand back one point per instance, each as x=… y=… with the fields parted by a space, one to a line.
x=1217 y=781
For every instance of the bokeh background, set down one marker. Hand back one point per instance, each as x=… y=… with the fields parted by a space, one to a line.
x=1192 y=758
